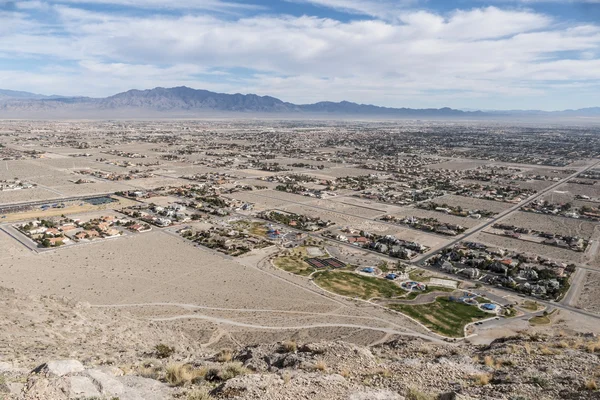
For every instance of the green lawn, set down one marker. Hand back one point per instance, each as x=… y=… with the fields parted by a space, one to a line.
x=443 y=316
x=354 y=285
x=294 y=265
x=413 y=295
x=530 y=305
x=419 y=275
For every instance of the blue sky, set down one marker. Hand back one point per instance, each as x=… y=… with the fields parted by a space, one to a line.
x=475 y=54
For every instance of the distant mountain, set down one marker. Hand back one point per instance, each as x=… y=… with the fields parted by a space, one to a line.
x=18 y=95
x=186 y=102
x=185 y=98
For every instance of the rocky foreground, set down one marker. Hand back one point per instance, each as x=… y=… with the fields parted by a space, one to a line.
x=51 y=349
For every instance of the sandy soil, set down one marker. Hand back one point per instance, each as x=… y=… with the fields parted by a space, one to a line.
x=25 y=195
x=468 y=203
x=440 y=216
x=589 y=298
x=550 y=223
x=554 y=253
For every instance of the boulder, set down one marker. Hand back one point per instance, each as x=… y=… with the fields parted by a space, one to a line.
x=108 y=385
x=82 y=387
x=59 y=368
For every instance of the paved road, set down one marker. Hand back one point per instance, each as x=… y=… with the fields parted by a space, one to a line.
x=502 y=215
x=572 y=295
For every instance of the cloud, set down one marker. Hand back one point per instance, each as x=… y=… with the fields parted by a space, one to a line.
x=205 y=5
x=375 y=8
x=419 y=58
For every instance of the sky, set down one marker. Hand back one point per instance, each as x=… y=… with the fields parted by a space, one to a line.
x=466 y=54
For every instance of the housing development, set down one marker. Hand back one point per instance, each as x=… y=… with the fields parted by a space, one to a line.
x=230 y=231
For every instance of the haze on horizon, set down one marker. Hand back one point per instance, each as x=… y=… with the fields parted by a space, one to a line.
x=468 y=54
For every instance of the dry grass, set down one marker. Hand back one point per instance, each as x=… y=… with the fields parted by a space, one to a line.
x=287 y=377
x=320 y=366
x=225 y=372
x=233 y=369
x=225 y=355
x=414 y=394
x=527 y=347
x=489 y=361
x=345 y=373
x=482 y=379
x=591 y=384
x=593 y=347
x=289 y=346
x=149 y=372
x=180 y=374
x=546 y=351
x=201 y=394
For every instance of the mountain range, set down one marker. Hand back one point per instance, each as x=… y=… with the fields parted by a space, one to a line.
x=184 y=101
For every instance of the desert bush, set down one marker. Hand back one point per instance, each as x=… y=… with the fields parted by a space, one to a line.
x=591 y=385
x=286 y=378
x=482 y=379
x=201 y=394
x=225 y=372
x=538 y=380
x=289 y=346
x=320 y=365
x=163 y=351
x=225 y=355
x=180 y=374
x=233 y=369
x=414 y=394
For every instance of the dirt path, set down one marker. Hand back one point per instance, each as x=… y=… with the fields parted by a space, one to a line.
x=299 y=327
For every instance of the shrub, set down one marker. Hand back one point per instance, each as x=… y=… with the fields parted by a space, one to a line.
x=178 y=374
x=482 y=379
x=227 y=371
x=320 y=365
x=232 y=369
x=489 y=361
x=201 y=394
x=163 y=351
x=591 y=385
x=541 y=382
x=225 y=355
x=149 y=372
x=289 y=346
x=414 y=394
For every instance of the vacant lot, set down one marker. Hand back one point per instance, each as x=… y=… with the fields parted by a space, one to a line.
x=552 y=224
x=440 y=216
x=568 y=191
x=554 y=253
x=154 y=267
x=443 y=316
x=468 y=203
x=589 y=299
